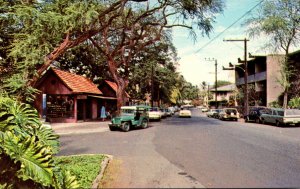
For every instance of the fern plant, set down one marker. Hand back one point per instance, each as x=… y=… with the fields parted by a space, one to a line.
x=27 y=149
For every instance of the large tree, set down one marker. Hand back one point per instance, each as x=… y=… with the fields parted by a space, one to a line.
x=118 y=28
x=280 y=20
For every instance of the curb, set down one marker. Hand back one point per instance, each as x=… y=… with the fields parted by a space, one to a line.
x=82 y=132
x=104 y=165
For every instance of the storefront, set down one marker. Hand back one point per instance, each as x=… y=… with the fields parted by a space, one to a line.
x=67 y=97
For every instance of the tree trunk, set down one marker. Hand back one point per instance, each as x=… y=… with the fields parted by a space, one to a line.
x=120 y=94
x=121 y=82
x=285 y=97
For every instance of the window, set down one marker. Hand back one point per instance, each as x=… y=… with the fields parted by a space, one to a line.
x=60 y=106
x=281 y=113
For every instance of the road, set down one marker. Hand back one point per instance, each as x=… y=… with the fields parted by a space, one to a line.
x=198 y=152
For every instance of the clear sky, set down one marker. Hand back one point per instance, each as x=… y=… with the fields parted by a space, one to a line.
x=192 y=63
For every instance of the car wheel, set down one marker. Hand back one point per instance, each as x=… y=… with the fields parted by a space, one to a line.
x=112 y=128
x=257 y=120
x=278 y=124
x=247 y=119
x=126 y=126
x=144 y=124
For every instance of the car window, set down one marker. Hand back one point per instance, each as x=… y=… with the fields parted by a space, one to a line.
x=153 y=109
x=127 y=111
x=281 y=113
x=274 y=112
x=267 y=111
x=292 y=112
x=228 y=111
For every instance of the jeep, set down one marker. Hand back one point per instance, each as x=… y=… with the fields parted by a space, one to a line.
x=130 y=117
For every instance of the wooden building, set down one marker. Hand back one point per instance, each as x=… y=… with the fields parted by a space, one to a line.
x=67 y=97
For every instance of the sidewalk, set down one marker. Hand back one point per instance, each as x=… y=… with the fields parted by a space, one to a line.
x=80 y=127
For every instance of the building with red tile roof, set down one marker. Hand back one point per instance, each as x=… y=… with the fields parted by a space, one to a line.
x=68 y=97
x=77 y=83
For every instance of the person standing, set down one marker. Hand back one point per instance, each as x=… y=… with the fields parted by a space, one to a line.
x=103 y=113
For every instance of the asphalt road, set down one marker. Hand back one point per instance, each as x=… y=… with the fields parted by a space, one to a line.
x=198 y=151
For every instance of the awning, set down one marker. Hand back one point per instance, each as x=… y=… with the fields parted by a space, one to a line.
x=103 y=97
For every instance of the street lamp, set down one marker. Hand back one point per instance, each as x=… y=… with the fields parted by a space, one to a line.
x=245 y=71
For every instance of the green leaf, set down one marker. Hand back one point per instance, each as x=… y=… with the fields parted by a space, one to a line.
x=36 y=161
x=47 y=137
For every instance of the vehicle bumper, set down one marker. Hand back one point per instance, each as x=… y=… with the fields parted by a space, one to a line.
x=185 y=115
x=154 y=117
x=114 y=125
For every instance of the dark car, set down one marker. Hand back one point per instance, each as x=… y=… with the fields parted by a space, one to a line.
x=254 y=114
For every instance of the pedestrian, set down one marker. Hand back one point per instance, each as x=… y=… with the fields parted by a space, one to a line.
x=103 y=113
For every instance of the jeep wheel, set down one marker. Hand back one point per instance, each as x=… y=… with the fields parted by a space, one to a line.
x=125 y=126
x=144 y=124
x=112 y=128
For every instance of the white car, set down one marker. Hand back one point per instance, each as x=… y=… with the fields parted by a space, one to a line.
x=154 y=113
x=211 y=112
x=185 y=112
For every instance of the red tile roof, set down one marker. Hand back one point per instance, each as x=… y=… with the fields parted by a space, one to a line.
x=77 y=83
x=114 y=86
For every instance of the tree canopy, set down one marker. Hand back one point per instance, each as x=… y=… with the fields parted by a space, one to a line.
x=119 y=29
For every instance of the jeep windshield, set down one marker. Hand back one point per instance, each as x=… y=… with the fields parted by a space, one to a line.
x=127 y=112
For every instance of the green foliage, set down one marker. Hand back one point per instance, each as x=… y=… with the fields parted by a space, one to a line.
x=221 y=83
x=27 y=148
x=84 y=167
x=275 y=104
x=294 y=102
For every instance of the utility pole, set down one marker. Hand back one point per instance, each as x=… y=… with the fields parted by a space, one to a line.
x=152 y=84
x=216 y=78
x=246 y=109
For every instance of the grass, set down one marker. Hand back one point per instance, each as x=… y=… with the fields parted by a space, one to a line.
x=84 y=167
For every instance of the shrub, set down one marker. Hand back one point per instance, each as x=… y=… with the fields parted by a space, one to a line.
x=27 y=149
x=294 y=102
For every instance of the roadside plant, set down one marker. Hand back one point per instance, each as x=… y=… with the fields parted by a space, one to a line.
x=275 y=104
x=294 y=102
x=27 y=148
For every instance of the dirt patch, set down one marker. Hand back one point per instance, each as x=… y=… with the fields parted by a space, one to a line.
x=112 y=175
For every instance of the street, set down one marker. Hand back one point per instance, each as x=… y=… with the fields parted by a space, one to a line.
x=197 y=152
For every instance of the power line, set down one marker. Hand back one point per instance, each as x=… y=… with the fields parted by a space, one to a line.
x=229 y=27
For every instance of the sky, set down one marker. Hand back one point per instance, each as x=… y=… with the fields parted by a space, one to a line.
x=192 y=63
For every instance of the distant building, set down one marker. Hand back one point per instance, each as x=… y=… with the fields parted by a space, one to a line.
x=263 y=73
x=223 y=95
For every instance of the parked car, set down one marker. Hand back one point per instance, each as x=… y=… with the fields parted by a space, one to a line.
x=168 y=112
x=211 y=112
x=185 y=112
x=254 y=114
x=163 y=113
x=279 y=116
x=172 y=110
x=204 y=109
x=131 y=116
x=229 y=114
x=216 y=114
x=154 y=113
